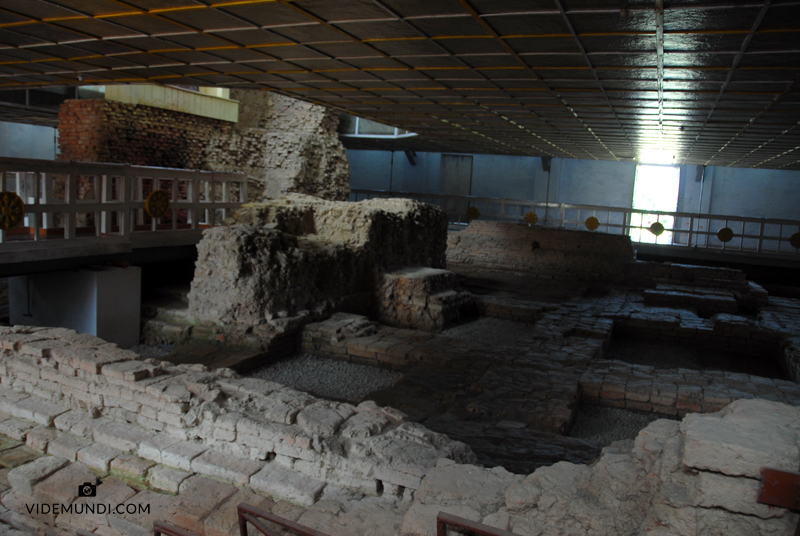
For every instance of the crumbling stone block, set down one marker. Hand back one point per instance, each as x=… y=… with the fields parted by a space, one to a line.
x=298 y=254
x=429 y=299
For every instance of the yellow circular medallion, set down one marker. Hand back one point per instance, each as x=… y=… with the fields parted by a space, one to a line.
x=157 y=203
x=473 y=213
x=725 y=234
x=592 y=223
x=12 y=210
x=657 y=228
x=794 y=240
x=532 y=218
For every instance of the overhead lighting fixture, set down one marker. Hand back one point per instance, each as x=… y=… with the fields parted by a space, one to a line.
x=656 y=156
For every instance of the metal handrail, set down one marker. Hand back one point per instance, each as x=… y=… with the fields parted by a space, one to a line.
x=687 y=229
x=250 y=514
x=443 y=520
x=118 y=193
x=162 y=528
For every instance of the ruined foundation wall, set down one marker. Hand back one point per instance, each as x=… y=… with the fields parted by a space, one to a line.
x=352 y=446
x=99 y=130
x=283 y=145
x=585 y=256
x=545 y=251
x=299 y=254
x=698 y=476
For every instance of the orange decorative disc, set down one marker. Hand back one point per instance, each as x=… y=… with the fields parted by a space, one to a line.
x=725 y=234
x=12 y=210
x=473 y=213
x=157 y=203
x=592 y=223
x=657 y=229
x=532 y=218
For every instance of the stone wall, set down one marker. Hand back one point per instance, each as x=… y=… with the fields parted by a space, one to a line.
x=99 y=130
x=186 y=409
x=699 y=476
x=546 y=251
x=300 y=256
x=599 y=259
x=283 y=145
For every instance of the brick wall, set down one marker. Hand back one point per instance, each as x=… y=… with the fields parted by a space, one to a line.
x=365 y=447
x=98 y=130
x=282 y=144
x=545 y=251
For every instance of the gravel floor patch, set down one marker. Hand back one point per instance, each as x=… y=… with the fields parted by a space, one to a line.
x=328 y=378
x=603 y=425
x=152 y=350
x=494 y=331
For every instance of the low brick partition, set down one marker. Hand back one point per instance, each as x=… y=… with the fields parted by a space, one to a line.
x=545 y=251
x=355 y=339
x=186 y=409
x=677 y=391
x=597 y=258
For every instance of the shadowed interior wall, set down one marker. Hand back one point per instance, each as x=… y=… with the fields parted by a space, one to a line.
x=18 y=140
x=760 y=193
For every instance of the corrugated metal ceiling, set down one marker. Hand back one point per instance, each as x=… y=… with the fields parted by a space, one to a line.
x=712 y=83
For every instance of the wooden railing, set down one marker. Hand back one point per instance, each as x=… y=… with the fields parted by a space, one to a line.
x=768 y=236
x=100 y=203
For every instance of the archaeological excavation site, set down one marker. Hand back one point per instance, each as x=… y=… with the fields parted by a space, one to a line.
x=399 y=268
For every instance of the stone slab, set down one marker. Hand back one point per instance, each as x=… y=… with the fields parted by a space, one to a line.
x=198 y=498
x=167 y=479
x=226 y=467
x=282 y=482
x=98 y=457
x=181 y=454
x=65 y=485
x=67 y=446
x=23 y=478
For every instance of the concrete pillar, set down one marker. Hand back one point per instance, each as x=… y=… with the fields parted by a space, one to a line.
x=101 y=300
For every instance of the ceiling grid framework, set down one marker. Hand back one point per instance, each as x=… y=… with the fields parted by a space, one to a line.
x=708 y=82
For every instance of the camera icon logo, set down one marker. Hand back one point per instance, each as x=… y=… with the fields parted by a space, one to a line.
x=87 y=489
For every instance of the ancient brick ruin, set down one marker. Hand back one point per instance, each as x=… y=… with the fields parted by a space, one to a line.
x=283 y=145
x=477 y=428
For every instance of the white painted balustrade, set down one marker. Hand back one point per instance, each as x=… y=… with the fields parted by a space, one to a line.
x=761 y=236
x=85 y=208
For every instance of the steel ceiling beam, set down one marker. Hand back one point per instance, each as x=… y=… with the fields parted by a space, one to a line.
x=746 y=43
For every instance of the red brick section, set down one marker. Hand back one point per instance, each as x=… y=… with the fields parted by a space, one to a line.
x=677 y=391
x=98 y=130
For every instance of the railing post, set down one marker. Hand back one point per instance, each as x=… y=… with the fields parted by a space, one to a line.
x=174 y=199
x=125 y=196
x=105 y=194
x=70 y=196
x=562 y=215
x=155 y=221
x=193 y=195
x=47 y=198
x=36 y=218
